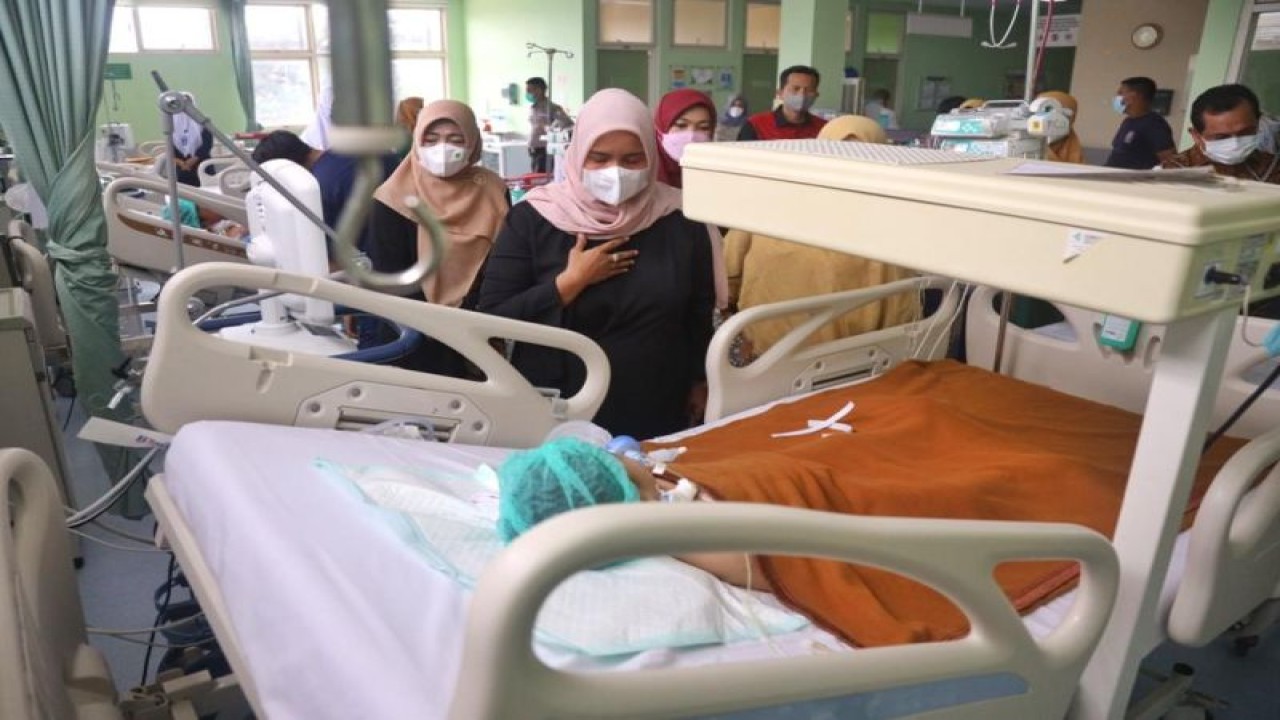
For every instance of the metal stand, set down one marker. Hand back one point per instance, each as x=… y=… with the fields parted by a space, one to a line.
x=551 y=53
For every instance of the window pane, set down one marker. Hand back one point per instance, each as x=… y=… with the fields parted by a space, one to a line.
x=175 y=28
x=884 y=33
x=764 y=26
x=628 y=22
x=416 y=30
x=320 y=23
x=418 y=76
x=699 y=22
x=124 y=36
x=1266 y=32
x=282 y=92
x=276 y=27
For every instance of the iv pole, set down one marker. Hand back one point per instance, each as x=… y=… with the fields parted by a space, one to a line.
x=551 y=53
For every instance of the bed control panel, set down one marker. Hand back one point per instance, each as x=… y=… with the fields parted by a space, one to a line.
x=1141 y=246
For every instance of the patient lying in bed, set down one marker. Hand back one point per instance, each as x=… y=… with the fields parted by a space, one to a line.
x=940 y=440
x=568 y=473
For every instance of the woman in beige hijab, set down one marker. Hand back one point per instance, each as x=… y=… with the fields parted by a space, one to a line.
x=470 y=201
x=764 y=270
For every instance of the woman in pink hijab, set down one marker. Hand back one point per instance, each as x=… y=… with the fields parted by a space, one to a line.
x=608 y=253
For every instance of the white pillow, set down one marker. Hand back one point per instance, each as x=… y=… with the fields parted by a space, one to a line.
x=638 y=605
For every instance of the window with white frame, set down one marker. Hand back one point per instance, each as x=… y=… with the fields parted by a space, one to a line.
x=290 y=48
x=162 y=28
x=764 y=26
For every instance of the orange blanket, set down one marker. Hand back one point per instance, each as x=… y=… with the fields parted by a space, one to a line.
x=938 y=440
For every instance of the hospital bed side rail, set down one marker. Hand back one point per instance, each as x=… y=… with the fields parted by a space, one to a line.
x=139 y=236
x=791 y=368
x=1085 y=368
x=47 y=667
x=502 y=678
x=1233 y=561
x=192 y=375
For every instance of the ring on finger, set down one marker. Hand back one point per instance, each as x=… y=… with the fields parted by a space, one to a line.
x=613 y=258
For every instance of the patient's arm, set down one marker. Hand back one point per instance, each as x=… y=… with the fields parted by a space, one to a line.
x=731 y=568
x=728 y=566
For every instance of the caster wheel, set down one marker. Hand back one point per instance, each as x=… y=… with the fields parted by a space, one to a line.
x=1241 y=646
x=64 y=385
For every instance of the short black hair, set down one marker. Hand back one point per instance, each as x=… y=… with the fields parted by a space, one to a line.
x=537 y=82
x=1144 y=86
x=951 y=103
x=282 y=144
x=1220 y=99
x=803 y=70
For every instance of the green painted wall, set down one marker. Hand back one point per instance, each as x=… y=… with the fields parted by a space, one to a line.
x=729 y=57
x=209 y=76
x=1262 y=75
x=1212 y=64
x=496 y=33
x=974 y=71
x=813 y=34
x=456 y=47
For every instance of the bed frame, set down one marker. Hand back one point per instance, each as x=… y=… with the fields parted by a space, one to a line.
x=258 y=384
x=139 y=237
x=1082 y=367
x=47 y=667
x=790 y=367
x=1140 y=250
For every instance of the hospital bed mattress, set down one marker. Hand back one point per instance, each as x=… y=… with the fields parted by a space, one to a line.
x=337 y=617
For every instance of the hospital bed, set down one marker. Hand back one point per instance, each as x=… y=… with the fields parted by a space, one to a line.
x=259 y=488
x=496 y=665
x=138 y=236
x=1138 y=249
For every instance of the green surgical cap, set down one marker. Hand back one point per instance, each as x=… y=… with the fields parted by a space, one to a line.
x=555 y=477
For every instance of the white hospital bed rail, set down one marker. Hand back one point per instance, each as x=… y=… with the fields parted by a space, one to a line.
x=47 y=667
x=257 y=384
x=502 y=678
x=1083 y=368
x=791 y=368
x=138 y=235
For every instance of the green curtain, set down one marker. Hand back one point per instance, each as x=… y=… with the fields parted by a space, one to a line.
x=233 y=10
x=51 y=62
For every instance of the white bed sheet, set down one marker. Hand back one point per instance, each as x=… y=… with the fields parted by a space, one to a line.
x=384 y=637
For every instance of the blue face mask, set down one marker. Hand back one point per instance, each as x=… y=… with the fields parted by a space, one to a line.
x=1117 y=104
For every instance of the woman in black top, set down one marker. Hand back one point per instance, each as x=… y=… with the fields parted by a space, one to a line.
x=608 y=253
x=468 y=200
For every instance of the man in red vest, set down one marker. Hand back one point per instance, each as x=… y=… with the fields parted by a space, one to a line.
x=797 y=89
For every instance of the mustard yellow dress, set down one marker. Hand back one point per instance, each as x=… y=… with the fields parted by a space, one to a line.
x=764 y=270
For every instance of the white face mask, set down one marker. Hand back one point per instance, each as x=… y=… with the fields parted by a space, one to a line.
x=615 y=185
x=798 y=102
x=1232 y=150
x=735 y=111
x=442 y=159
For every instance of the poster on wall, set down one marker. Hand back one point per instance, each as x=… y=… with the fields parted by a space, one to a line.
x=1062 y=33
x=933 y=90
x=679 y=77
x=702 y=77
